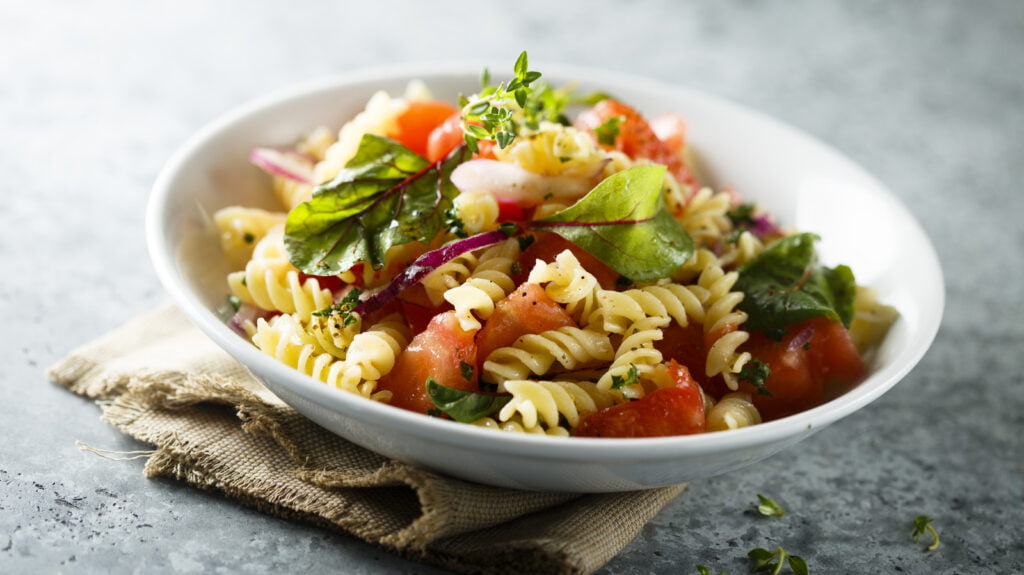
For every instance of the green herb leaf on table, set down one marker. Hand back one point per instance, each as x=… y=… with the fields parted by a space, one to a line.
x=922 y=524
x=624 y=223
x=785 y=285
x=769 y=507
x=464 y=406
x=765 y=560
x=386 y=196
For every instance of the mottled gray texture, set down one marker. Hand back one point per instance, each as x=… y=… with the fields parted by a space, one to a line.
x=928 y=96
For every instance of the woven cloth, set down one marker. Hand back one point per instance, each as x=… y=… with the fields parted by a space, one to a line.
x=160 y=380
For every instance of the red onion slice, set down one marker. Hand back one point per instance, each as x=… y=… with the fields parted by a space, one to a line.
x=800 y=339
x=289 y=164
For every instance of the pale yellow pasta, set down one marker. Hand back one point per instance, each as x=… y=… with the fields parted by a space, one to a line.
x=478 y=211
x=489 y=282
x=733 y=411
x=570 y=347
x=705 y=216
x=271 y=282
x=555 y=150
x=567 y=282
x=284 y=338
x=372 y=353
x=333 y=332
x=635 y=352
x=447 y=276
x=720 y=316
x=746 y=247
x=515 y=425
x=241 y=228
x=378 y=118
x=546 y=403
x=871 y=320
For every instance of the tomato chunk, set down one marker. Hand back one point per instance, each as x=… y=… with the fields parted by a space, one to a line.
x=814 y=360
x=445 y=137
x=440 y=351
x=637 y=139
x=526 y=310
x=677 y=410
x=418 y=121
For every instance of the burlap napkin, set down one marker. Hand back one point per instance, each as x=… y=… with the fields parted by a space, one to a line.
x=160 y=380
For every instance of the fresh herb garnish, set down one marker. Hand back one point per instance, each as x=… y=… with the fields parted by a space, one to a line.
x=785 y=285
x=467 y=370
x=464 y=406
x=702 y=570
x=343 y=308
x=923 y=523
x=741 y=216
x=769 y=507
x=624 y=223
x=454 y=224
x=387 y=195
x=756 y=372
x=490 y=115
x=632 y=378
x=608 y=131
x=234 y=302
x=765 y=560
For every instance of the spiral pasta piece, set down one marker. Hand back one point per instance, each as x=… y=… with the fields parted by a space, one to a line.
x=733 y=411
x=571 y=347
x=636 y=352
x=705 y=216
x=568 y=283
x=722 y=320
x=241 y=228
x=478 y=210
x=547 y=403
x=515 y=425
x=284 y=339
x=489 y=282
x=373 y=354
x=333 y=332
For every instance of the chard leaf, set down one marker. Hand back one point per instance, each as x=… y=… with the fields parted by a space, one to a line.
x=624 y=223
x=464 y=406
x=785 y=285
x=386 y=196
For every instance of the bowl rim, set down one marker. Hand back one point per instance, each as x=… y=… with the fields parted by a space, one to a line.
x=539 y=447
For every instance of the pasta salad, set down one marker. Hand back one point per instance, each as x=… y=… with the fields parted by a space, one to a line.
x=538 y=260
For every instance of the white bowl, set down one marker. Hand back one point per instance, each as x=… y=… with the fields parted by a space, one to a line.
x=804 y=183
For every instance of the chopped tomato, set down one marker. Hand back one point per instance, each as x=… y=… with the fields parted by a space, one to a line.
x=510 y=211
x=803 y=372
x=636 y=138
x=671 y=129
x=547 y=245
x=418 y=121
x=445 y=137
x=440 y=352
x=677 y=410
x=686 y=346
x=526 y=310
x=448 y=136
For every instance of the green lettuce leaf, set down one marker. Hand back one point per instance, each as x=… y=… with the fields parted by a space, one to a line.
x=386 y=196
x=464 y=406
x=785 y=285
x=624 y=223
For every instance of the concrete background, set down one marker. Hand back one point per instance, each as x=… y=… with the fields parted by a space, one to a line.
x=928 y=96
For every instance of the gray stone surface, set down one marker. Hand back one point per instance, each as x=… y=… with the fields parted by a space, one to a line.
x=929 y=96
